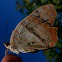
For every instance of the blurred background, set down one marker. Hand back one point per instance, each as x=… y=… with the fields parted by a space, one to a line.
x=13 y=11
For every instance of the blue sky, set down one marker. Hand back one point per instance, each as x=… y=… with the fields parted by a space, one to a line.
x=8 y=12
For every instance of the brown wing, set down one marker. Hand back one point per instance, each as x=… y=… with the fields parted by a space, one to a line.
x=46 y=13
x=37 y=28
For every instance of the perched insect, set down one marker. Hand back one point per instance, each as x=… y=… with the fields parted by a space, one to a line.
x=35 y=32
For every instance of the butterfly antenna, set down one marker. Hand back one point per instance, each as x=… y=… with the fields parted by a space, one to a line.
x=7 y=31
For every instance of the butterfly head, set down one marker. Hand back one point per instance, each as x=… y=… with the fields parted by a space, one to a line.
x=8 y=46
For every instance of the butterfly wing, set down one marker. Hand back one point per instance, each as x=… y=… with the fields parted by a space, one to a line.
x=46 y=13
x=35 y=32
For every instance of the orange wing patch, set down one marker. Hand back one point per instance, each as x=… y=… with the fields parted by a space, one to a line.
x=54 y=35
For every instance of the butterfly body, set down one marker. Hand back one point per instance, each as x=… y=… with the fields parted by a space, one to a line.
x=35 y=32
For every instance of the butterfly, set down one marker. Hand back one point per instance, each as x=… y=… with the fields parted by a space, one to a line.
x=35 y=32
